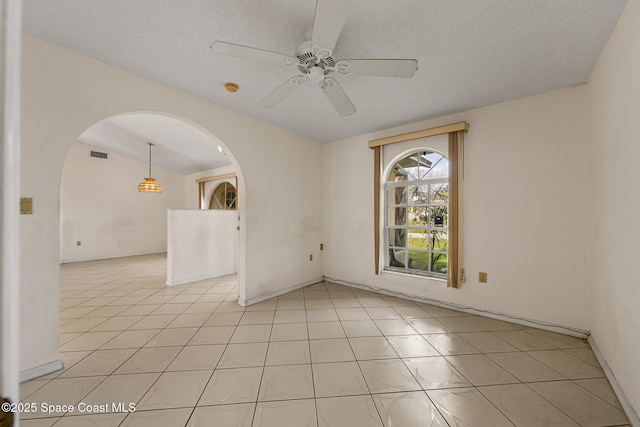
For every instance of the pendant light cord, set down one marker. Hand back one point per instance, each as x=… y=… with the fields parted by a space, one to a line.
x=150 y=144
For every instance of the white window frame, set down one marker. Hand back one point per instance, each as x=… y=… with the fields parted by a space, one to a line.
x=387 y=227
x=455 y=132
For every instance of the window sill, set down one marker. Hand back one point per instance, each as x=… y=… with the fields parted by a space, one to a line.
x=416 y=275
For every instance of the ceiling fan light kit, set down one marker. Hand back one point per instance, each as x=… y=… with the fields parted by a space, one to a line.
x=314 y=60
x=316 y=74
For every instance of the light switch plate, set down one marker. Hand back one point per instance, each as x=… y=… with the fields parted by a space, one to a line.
x=26 y=206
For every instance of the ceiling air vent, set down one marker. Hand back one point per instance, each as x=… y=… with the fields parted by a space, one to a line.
x=98 y=154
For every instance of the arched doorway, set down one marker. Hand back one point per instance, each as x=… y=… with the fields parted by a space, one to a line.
x=101 y=213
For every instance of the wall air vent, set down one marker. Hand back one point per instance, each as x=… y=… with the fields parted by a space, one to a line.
x=98 y=154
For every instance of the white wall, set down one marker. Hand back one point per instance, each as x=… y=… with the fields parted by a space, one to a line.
x=525 y=200
x=614 y=283
x=527 y=192
x=100 y=206
x=65 y=93
x=201 y=244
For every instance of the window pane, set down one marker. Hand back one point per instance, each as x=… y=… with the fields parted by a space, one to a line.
x=397 y=258
x=425 y=166
x=398 y=174
x=397 y=195
x=439 y=240
x=419 y=195
x=397 y=237
x=419 y=239
x=440 y=166
x=439 y=263
x=411 y=166
x=439 y=194
x=419 y=260
x=230 y=199
x=397 y=216
x=419 y=216
x=438 y=216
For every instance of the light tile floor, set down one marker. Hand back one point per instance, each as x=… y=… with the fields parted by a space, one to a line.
x=322 y=356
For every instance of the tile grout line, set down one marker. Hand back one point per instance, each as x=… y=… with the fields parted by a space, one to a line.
x=313 y=381
x=360 y=367
x=219 y=359
x=117 y=282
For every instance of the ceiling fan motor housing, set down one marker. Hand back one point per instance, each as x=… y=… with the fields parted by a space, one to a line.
x=308 y=61
x=315 y=62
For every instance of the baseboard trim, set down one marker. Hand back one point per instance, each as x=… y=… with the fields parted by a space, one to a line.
x=626 y=405
x=277 y=293
x=41 y=370
x=579 y=333
x=133 y=254
x=198 y=278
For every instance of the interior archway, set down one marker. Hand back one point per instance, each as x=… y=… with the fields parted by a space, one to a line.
x=102 y=215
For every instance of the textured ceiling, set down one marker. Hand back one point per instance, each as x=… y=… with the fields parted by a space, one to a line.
x=179 y=147
x=470 y=53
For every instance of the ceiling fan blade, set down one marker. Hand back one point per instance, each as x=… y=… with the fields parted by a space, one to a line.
x=239 y=51
x=282 y=91
x=378 y=67
x=328 y=22
x=337 y=97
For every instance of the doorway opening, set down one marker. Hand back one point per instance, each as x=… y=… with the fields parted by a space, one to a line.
x=102 y=215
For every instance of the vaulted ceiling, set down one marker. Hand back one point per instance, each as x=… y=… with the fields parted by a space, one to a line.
x=470 y=53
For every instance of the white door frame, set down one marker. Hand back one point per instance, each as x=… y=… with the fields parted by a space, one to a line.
x=10 y=61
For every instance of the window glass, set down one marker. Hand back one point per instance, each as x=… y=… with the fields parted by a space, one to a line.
x=223 y=197
x=416 y=197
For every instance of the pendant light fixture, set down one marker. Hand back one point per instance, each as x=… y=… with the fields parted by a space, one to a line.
x=149 y=185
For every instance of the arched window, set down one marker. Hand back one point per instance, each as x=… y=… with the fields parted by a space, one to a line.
x=417 y=212
x=223 y=197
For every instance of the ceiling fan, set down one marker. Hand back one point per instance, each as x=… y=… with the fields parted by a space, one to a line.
x=314 y=61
